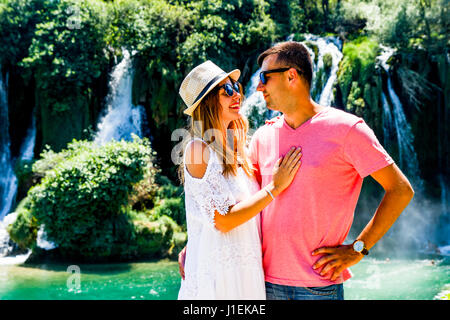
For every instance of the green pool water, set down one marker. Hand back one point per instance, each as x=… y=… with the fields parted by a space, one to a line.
x=372 y=279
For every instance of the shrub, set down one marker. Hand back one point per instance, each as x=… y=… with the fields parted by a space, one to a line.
x=153 y=238
x=81 y=200
x=23 y=230
x=173 y=208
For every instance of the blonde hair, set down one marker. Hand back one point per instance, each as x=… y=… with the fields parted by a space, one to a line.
x=205 y=124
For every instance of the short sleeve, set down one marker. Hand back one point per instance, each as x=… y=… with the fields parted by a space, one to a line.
x=211 y=192
x=363 y=150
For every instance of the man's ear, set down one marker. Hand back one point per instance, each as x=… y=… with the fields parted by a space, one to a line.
x=293 y=74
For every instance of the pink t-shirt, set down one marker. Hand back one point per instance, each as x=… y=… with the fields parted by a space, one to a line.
x=317 y=209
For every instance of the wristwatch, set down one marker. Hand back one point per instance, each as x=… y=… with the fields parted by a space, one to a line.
x=359 y=246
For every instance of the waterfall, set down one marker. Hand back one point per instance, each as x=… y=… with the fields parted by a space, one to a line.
x=323 y=80
x=416 y=226
x=254 y=107
x=27 y=149
x=8 y=181
x=122 y=118
x=388 y=122
x=407 y=157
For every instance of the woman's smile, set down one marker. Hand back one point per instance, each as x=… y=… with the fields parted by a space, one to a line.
x=235 y=106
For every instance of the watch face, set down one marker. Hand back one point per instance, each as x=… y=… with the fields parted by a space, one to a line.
x=358 y=246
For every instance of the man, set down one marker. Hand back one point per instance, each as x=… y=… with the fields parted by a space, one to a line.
x=304 y=227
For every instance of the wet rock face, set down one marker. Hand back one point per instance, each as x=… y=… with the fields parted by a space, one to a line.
x=21 y=100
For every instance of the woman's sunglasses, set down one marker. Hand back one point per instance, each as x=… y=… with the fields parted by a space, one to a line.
x=230 y=88
x=263 y=77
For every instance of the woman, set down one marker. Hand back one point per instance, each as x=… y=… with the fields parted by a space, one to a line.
x=223 y=255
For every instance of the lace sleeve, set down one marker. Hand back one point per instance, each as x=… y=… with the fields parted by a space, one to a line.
x=211 y=192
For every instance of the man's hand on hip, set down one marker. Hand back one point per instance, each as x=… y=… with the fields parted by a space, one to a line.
x=337 y=258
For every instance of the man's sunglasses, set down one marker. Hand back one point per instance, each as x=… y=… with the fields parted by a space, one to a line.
x=263 y=77
x=230 y=88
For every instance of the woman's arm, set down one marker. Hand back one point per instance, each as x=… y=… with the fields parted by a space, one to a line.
x=283 y=174
x=245 y=210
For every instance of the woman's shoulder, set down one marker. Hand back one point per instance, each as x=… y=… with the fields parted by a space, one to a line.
x=197 y=157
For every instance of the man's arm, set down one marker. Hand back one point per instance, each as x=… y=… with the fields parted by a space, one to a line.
x=398 y=193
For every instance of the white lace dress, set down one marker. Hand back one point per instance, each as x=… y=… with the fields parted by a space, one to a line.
x=220 y=265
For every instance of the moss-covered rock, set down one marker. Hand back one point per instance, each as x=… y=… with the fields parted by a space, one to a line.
x=359 y=82
x=358 y=64
x=327 y=62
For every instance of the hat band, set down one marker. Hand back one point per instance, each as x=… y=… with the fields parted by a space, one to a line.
x=206 y=88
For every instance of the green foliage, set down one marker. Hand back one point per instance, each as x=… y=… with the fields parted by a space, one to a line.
x=354 y=101
x=314 y=48
x=152 y=237
x=357 y=65
x=60 y=48
x=26 y=178
x=360 y=81
x=173 y=208
x=167 y=189
x=305 y=15
x=81 y=199
x=172 y=38
x=402 y=24
x=327 y=62
x=18 y=19
x=67 y=48
x=23 y=230
x=85 y=201
x=23 y=170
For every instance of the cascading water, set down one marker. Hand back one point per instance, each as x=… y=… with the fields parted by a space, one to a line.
x=8 y=181
x=388 y=122
x=324 y=75
x=8 y=184
x=416 y=226
x=122 y=119
x=27 y=149
x=407 y=157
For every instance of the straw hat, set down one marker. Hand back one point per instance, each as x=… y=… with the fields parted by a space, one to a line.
x=200 y=81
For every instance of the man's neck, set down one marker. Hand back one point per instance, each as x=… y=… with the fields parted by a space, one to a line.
x=304 y=111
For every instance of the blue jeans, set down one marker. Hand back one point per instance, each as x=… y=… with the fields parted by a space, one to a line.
x=280 y=292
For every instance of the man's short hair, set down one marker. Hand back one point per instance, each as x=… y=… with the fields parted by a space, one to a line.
x=292 y=54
